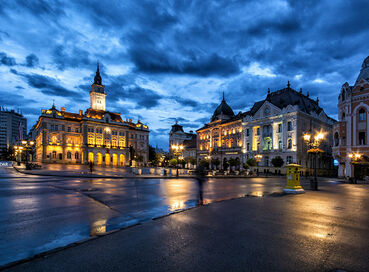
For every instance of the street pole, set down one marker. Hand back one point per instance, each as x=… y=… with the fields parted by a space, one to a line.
x=315 y=184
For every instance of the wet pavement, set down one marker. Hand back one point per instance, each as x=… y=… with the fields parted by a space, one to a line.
x=39 y=213
x=325 y=230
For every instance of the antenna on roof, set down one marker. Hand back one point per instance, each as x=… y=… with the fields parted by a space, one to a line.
x=288 y=84
x=268 y=91
x=223 y=97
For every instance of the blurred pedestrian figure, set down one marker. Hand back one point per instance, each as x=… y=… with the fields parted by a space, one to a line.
x=91 y=165
x=200 y=178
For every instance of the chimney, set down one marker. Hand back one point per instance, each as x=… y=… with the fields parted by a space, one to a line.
x=80 y=112
x=62 y=109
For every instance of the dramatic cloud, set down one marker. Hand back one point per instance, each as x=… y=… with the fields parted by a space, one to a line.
x=32 y=60
x=5 y=60
x=163 y=61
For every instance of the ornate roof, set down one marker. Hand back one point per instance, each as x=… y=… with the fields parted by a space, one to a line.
x=223 y=109
x=288 y=96
x=176 y=128
x=364 y=72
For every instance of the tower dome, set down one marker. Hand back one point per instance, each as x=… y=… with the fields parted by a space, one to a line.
x=364 y=72
x=223 y=111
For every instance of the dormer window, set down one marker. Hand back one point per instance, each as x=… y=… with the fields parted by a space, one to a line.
x=266 y=111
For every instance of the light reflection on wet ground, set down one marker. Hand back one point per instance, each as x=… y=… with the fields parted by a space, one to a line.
x=39 y=214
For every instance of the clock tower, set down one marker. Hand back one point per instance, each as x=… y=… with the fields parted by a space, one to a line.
x=97 y=93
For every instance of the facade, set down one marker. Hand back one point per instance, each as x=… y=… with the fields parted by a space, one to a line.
x=96 y=135
x=177 y=135
x=350 y=133
x=222 y=137
x=273 y=127
x=13 y=128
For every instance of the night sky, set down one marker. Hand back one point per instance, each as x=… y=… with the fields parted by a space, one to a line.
x=168 y=60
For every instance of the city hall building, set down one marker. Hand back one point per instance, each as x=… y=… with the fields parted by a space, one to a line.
x=96 y=135
x=350 y=133
x=272 y=127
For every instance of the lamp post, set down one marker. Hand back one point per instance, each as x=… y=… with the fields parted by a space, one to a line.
x=354 y=157
x=313 y=144
x=25 y=146
x=177 y=151
x=258 y=158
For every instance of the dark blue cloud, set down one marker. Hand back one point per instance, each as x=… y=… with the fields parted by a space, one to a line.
x=5 y=60
x=32 y=60
x=47 y=85
x=173 y=59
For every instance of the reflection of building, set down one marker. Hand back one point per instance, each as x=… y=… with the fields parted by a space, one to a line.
x=221 y=138
x=13 y=127
x=96 y=135
x=177 y=135
x=350 y=134
x=273 y=127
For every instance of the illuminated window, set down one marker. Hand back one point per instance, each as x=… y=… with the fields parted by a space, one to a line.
x=289 y=144
x=54 y=155
x=76 y=155
x=69 y=155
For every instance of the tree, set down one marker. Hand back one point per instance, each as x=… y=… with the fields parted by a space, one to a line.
x=215 y=162
x=191 y=160
x=152 y=154
x=251 y=162
x=204 y=163
x=277 y=161
x=182 y=162
x=173 y=162
x=246 y=166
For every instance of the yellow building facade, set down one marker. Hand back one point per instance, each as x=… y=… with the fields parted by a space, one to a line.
x=96 y=135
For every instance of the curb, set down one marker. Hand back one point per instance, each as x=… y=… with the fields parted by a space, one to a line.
x=134 y=177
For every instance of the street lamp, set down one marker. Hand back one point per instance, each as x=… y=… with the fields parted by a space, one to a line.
x=258 y=158
x=355 y=157
x=25 y=146
x=177 y=151
x=313 y=144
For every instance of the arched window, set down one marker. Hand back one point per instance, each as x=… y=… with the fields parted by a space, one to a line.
x=362 y=115
x=69 y=155
x=289 y=144
x=76 y=155
x=343 y=95
x=343 y=116
x=336 y=139
x=54 y=155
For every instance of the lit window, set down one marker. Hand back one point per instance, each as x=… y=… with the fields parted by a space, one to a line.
x=289 y=144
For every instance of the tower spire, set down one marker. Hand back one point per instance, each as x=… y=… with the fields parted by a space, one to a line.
x=223 y=97
x=97 y=78
x=288 y=84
